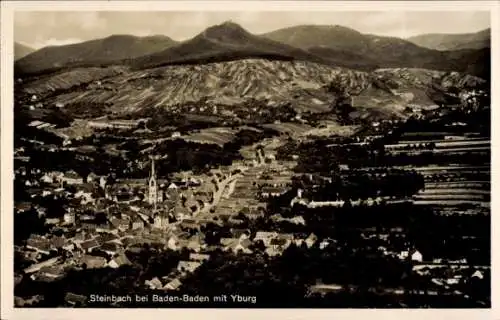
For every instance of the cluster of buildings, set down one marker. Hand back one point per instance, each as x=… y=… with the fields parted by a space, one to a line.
x=101 y=219
x=173 y=280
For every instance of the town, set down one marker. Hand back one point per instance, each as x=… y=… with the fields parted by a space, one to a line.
x=295 y=212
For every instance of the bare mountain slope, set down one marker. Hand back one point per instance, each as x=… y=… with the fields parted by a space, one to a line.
x=301 y=83
x=111 y=49
x=443 y=41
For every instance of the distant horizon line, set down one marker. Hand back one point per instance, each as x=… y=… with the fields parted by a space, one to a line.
x=70 y=41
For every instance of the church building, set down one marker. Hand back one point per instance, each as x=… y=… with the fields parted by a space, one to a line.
x=154 y=197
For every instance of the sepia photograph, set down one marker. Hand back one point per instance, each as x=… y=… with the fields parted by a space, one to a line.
x=250 y=159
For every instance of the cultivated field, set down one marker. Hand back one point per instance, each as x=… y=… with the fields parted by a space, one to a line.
x=219 y=136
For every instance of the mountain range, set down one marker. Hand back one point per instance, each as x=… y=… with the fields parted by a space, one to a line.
x=442 y=41
x=94 y=52
x=329 y=45
x=385 y=52
x=306 y=67
x=224 y=42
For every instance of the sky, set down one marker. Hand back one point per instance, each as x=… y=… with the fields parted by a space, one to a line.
x=44 y=28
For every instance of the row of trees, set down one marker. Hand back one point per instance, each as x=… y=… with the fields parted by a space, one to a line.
x=363 y=185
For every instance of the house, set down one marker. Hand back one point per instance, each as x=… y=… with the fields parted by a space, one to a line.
x=416 y=256
x=46 y=178
x=32 y=256
x=188 y=266
x=86 y=197
x=316 y=204
x=107 y=237
x=92 y=177
x=478 y=275
x=35 y=123
x=240 y=233
x=325 y=243
x=102 y=182
x=193 y=182
x=52 y=221
x=173 y=285
x=343 y=167
x=82 y=236
x=129 y=241
x=154 y=284
x=118 y=261
x=271 y=157
x=160 y=220
x=268 y=192
x=75 y=300
x=50 y=273
x=236 y=245
x=277 y=246
x=58 y=242
x=23 y=207
x=265 y=237
x=285 y=236
x=243 y=246
x=69 y=246
x=298 y=220
x=228 y=241
x=235 y=221
x=192 y=205
x=110 y=248
x=311 y=240
x=46 y=193
x=93 y=262
x=40 y=245
x=173 y=243
x=189 y=224
x=199 y=257
x=403 y=255
x=452 y=281
x=71 y=177
x=173 y=186
x=41 y=211
x=137 y=223
x=89 y=245
x=195 y=243
x=121 y=224
x=37 y=266
x=89 y=225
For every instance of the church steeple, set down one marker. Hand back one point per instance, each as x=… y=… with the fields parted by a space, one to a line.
x=153 y=186
x=153 y=173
